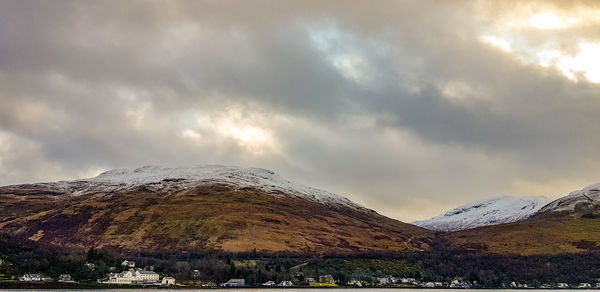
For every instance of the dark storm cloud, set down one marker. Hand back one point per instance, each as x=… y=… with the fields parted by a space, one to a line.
x=398 y=105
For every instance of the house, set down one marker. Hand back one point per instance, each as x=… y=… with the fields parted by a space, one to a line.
x=285 y=284
x=129 y=264
x=90 y=266
x=326 y=279
x=384 y=281
x=355 y=282
x=459 y=283
x=234 y=283
x=562 y=285
x=146 y=276
x=31 y=278
x=133 y=277
x=310 y=280
x=411 y=281
x=429 y=285
x=168 y=281
x=584 y=285
x=118 y=278
x=268 y=283
x=65 y=278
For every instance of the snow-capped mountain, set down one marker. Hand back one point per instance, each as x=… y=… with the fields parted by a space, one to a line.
x=203 y=208
x=174 y=179
x=487 y=212
x=585 y=198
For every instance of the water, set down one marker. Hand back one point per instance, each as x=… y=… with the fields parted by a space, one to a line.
x=292 y=290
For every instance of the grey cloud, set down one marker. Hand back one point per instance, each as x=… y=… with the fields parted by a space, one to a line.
x=114 y=84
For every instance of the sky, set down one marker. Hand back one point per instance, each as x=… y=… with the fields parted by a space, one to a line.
x=410 y=108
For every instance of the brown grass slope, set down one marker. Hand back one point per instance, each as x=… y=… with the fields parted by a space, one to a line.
x=541 y=234
x=209 y=217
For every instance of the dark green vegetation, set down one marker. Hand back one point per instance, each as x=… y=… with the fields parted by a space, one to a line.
x=441 y=264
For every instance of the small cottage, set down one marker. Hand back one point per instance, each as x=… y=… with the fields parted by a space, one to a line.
x=234 y=283
x=31 y=278
x=328 y=279
x=168 y=281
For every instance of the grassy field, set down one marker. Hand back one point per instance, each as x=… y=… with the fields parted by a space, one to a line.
x=315 y=284
x=209 y=217
x=548 y=235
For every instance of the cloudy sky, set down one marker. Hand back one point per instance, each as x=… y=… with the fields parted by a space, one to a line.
x=407 y=107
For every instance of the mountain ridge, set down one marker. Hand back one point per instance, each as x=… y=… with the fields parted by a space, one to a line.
x=570 y=224
x=586 y=198
x=486 y=212
x=207 y=208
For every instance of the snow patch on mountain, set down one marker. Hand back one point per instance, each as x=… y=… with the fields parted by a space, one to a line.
x=158 y=177
x=577 y=200
x=486 y=212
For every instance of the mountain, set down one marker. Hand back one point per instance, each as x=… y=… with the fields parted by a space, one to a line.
x=567 y=225
x=204 y=208
x=585 y=199
x=487 y=212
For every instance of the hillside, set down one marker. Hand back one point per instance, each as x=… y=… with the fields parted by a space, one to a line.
x=232 y=209
x=567 y=225
x=483 y=213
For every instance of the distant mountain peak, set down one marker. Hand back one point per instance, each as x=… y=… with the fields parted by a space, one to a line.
x=158 y=177
x=577 y=200
x=486 y=212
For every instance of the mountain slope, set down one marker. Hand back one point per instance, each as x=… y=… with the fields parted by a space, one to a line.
x=566 y=225
x=483 y=213
x=155 y=209
x=584 y=199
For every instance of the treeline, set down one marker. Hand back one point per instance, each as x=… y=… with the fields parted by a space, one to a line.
x=440 y=265
x=20 y=256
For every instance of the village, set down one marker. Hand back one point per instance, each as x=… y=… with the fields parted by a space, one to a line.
x=132 y=275
x=129 y=276
x=98 y=270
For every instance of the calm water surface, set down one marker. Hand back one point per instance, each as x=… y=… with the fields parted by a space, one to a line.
x=292 y=290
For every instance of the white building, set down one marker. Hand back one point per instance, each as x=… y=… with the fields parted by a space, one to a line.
x=384 y=281
x=410 y=281
x=90 y=266
x=133 y=277
x=285 y=284
x=31 y=278
x=129 y=264
x=584 y=285
x=268 y=283
x=326 y=279
x=66 y=278
x=429 y=285
x=234 y=283
x=168 y=281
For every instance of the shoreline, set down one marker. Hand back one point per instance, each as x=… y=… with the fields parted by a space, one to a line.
x=95 y=286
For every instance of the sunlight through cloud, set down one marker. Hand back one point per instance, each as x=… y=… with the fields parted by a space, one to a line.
x=546 y=21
